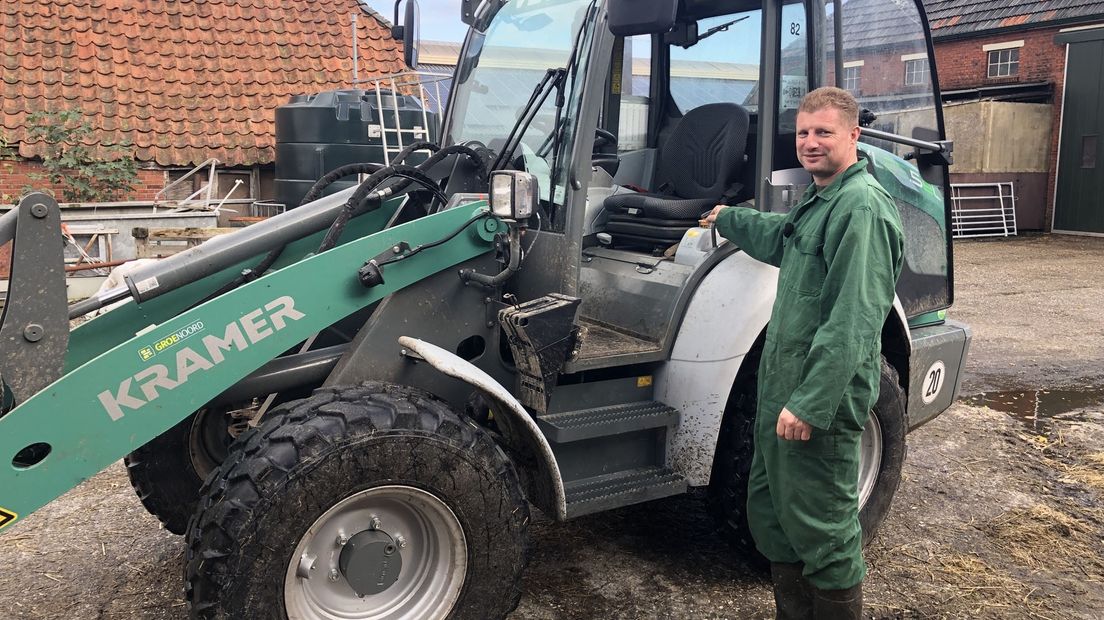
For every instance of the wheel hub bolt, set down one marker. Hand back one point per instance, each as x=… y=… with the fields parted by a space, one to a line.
x=342 y=539
x=333 y=574
x=400 y=540
x=374 y=523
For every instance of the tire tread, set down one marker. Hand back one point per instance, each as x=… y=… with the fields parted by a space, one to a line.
x=300 y=433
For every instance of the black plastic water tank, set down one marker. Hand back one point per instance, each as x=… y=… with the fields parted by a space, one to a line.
x=319 y=133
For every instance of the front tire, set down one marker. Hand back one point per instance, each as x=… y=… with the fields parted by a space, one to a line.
x=881 y=459
x=390 y=467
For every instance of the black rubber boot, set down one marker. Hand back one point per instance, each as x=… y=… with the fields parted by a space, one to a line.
x=838 y=604
x=793 y=595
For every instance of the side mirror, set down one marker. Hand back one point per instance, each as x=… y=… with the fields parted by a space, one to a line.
x=408 y=31
x=629 y=18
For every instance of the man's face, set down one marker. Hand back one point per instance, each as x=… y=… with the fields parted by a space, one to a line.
x=825 y=144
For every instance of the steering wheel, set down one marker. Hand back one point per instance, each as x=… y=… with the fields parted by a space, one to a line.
x=603 y=138
x=601 y=155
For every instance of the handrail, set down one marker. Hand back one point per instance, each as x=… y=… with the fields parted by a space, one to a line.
x=935 y=147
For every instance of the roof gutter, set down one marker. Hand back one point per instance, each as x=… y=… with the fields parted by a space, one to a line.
x=1002 y=92
x=1057 y=23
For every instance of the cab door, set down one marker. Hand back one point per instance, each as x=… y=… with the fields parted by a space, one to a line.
x=881 y=52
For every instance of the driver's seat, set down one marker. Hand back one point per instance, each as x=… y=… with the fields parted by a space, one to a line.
x=701 y=162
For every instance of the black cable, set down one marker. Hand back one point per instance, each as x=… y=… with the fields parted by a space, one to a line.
x=367 y=193
x=410 y=173
x=362 y=194
x=433 y=244
x=427 y=183
x=333 y=176
x=313 y=194
x=417 y=146
x=480 y=166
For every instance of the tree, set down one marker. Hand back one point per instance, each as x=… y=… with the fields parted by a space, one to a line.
x=72 y=165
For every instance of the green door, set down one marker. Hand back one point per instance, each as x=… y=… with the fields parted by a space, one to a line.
x=1079 y=202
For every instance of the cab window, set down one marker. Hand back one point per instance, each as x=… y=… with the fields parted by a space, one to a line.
x=722 y=66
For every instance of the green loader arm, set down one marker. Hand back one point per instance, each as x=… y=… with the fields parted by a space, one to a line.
x=110 y=403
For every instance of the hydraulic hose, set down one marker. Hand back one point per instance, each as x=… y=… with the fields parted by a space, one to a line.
x=268 y=236
x=411 y=174
x=335 y=175
x=367 y=193
x=417 y=146
x=482 y=279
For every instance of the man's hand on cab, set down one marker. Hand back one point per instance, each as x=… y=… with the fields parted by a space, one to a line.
x=791 y=427
x=712 y=217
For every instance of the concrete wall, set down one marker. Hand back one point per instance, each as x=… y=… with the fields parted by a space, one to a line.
x=1002 y=141
x=997 y=136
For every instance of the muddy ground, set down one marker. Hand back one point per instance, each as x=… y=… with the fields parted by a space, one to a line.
x=999 y=514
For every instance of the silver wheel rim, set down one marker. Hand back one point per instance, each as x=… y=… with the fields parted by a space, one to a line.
x=870 y=458
x=433 y=550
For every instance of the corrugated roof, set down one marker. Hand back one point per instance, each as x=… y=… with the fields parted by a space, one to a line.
x=951 y=18
x=180 y=81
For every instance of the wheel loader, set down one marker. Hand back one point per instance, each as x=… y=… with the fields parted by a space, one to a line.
x=351 y=409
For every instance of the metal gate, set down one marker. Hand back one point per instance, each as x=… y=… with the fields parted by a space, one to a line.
x=1079 y=194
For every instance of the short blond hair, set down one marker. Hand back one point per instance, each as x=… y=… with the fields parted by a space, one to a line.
x=832 y=97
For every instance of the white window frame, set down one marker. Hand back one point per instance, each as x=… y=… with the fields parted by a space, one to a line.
x=912 y=76
x=1006 y=45
x=852 y=77
x=1001 y=64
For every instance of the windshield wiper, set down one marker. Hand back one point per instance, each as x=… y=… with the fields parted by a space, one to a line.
x=723 y=27
x=558 y=125
x=553 y=78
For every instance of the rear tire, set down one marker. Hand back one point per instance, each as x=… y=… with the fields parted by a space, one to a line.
x=881 y=460
x=167 y=472
x=258 y=544
x=888 y=415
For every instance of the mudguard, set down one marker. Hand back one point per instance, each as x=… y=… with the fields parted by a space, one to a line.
x=719 y=328
x=550 y=482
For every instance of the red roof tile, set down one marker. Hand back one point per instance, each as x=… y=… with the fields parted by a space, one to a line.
x=180 y=80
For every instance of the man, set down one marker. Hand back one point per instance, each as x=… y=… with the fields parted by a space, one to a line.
x=839 y=255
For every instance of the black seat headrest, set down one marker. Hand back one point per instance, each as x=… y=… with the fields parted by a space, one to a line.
x=704 y=154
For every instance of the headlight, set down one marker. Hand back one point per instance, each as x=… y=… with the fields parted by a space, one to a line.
x=513 y=194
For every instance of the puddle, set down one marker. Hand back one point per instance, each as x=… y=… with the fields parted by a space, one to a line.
x=1036 y=408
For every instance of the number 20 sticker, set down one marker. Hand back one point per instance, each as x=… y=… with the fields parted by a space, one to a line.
x=933 y=382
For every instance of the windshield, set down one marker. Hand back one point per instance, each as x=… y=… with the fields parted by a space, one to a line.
x=500 y=69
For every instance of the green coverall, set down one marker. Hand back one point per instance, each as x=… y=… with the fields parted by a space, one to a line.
x=838 y=267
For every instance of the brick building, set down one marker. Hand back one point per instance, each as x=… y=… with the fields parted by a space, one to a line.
x=179 y=82
x=1010 y=60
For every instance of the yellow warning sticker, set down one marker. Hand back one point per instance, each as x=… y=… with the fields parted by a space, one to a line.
x=6 y=517
x=643 y=382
